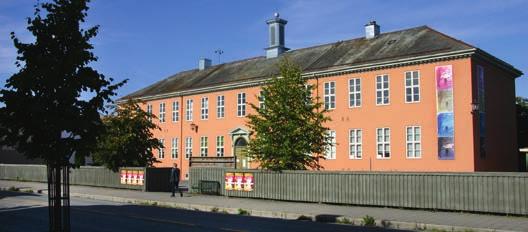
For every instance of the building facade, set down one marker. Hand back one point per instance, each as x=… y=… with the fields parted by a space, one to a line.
x=409 y=100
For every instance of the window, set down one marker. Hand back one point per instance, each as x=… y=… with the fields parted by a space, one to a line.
x=220 y=146
x=205 y=108
x=382 y=90
x=383 y=143
x=188 y=147
x=354 y=92
x=203 y=146
x=330 y=151
x=174 y=148
x=220 y=103
x=261 y=99
x=161 y=152
x=355 y=140
x=412 y=86
x=241 y=104
x=175 y=111
x=329 y=95
x=189 y=110
x=414 y=144
x=149 y=112
x=162 y=112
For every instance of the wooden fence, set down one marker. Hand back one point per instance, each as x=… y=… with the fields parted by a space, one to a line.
x=505 y=193
x=85 y=175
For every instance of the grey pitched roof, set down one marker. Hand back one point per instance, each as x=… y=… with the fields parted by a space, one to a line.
x=418 y=41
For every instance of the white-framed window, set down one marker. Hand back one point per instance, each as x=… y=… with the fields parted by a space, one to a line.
x=329 y=95
x=205 y=108
x=354 y=92
x=203 y=146
x=174 y=148
x=412 y=86
x=330 y=152
x=383 y=143
x=188 y=147
x=149 y=111
x=261 y=99
x=162 y=112
x=189 y=110
x=382 y=90
x=241 y=104
x=414 y=142
x=220 y=106
x=355 y=144
x=161 y=150
x=175 y=111
x=220 y=146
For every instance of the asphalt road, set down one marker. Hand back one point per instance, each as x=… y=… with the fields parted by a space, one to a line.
x=28 y=212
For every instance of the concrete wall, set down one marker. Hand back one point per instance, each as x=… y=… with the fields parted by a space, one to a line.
x=491 y=192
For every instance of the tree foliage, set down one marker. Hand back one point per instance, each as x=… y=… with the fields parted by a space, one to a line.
x=522 y=121
x=288 y=132
x=128 y=139
x=52 y=103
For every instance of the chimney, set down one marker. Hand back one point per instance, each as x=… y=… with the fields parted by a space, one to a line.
x=276 y=36
x=204 y=63
x=372 y=30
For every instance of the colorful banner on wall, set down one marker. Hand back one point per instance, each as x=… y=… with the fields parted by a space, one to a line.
x=132 y=177
x=239 y=181
x=444 y=112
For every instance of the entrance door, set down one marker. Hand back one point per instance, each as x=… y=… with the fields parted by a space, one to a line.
x=242 y=161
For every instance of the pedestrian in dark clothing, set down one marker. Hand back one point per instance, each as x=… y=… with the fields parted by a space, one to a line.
x=174 y=180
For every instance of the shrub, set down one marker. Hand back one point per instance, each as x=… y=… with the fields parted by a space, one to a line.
x=243 y=212
x=369 y=221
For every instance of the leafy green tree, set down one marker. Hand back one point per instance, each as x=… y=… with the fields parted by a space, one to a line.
x=522 y=121
x=287 y=133
x=128 y=138
x=44 y=115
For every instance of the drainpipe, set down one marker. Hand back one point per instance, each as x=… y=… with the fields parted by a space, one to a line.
x=181 y=134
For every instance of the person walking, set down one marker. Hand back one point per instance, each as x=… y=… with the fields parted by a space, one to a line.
x=174 y=180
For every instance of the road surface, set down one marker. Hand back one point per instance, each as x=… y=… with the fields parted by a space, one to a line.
x=28 y=212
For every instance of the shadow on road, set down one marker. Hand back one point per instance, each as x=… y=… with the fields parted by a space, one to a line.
x=148 y=218
x=4 y=194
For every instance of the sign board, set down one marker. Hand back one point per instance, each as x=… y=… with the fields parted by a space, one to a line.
x=239 y=181
x=132 y=176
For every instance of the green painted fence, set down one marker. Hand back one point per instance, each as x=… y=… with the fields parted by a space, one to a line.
x=85 y=175
x=473 y=192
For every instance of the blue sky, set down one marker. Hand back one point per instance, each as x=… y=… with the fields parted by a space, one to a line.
x=146 y=41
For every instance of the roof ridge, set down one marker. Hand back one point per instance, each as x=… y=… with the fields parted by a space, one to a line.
x=358 y=38
x=449 y=37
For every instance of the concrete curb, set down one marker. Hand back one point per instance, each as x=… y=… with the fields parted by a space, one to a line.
x=344 y=220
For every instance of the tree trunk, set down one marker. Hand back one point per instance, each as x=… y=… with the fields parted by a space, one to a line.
x=58 y=198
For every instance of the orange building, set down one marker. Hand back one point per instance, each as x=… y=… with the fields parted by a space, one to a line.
x=409 y=100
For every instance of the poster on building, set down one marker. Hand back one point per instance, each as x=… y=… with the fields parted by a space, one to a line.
x=141 y=177
x=132 y=177
x=123 y=176
x=239 y=181
x=229 y=181
x=444 y=112
x=248 y=182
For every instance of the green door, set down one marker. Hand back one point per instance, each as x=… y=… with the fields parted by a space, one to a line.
x=242 y=161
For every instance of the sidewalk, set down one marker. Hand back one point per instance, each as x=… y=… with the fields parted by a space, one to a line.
x=387 y=217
